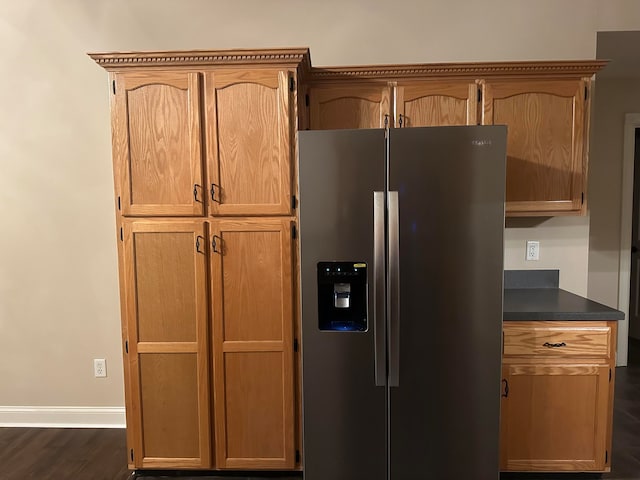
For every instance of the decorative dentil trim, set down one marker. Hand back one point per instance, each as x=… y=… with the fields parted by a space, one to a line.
x=118 y=60
x=476 y=70
x=301 y=57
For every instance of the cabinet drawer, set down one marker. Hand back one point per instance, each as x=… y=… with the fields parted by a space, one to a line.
x=589 y=341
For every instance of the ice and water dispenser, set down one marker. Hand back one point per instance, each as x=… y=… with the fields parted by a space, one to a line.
x=342 y=296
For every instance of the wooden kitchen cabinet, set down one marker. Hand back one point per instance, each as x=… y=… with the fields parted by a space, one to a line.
x=341 y=106
x=547 y=122
x=156 y=126
x=249 y=131
x=545 y=106
x=253 y=343
x=557 y=397
x=436 y=104
x=207 y=303
x=204 y=161
x=165 y=264
x=408 y=104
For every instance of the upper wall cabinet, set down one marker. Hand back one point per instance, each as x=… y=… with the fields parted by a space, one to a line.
x=430 y=104
x=349 y=106
x=547 y=135
x=407 y=104
x=157 y=143
x=249 y=146
x=545 y=106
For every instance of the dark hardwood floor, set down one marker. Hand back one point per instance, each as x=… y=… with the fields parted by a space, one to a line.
x=88 y=454
x=62 y=454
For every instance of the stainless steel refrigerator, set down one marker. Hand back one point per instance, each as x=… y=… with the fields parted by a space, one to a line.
x=401 y=235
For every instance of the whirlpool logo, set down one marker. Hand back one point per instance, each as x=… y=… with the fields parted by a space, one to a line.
x=481 y=143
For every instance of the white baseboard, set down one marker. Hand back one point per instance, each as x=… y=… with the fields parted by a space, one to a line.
x=62 y=417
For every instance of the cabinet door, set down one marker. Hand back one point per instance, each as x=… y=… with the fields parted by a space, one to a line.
x=253 y=344
x=248 y=131
x=554 y=417
x=353 y=106
x=156 y=143
x=546 y=165
x=434 y=104
x=166 y=304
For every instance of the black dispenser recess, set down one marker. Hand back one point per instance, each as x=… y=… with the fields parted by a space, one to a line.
x=342 y=296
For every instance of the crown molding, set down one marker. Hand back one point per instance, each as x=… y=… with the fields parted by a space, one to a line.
x=116 y=61
x=471 y=70
x=200 y=58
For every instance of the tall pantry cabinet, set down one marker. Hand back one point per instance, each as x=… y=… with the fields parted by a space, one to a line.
x=203 y=150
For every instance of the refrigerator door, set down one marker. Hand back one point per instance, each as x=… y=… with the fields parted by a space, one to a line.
x=445 y=301
x=344 y=411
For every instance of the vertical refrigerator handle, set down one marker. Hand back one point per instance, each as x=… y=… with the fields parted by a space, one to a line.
x=393 y=304
x=379 y=294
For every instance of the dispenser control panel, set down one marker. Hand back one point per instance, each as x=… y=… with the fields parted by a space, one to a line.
x=342 y=296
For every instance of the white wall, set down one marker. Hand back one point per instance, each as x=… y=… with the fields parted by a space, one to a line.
x=58 y=280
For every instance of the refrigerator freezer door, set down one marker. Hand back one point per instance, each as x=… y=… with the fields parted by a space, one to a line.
x=344 y=412
x=444 y=413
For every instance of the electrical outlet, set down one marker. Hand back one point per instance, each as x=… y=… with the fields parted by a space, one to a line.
x=533 y=250
x=99 y=367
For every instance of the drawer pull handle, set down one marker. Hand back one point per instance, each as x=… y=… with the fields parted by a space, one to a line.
x=554 y=345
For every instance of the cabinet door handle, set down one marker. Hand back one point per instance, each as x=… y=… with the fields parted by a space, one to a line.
x=213 y=193
x=505 y=393
x=554 y=345
x=214 y=244
x=400 y=121
x=195 y=192
x=198 y=244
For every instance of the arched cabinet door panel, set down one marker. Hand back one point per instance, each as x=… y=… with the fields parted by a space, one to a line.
x=436 y=104
x=249 y=141
x=546 y=144
x=349 y=106
x=157 y=143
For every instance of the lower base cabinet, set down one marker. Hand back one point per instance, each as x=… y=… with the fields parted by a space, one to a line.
x=557 y=397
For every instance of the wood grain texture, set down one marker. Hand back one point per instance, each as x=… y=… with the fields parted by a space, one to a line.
x=613 y=346
x=253 y=344
x=558 y=412
x=252 y=279
x=118 y=146
x=248 y=136
x=556 y=417
x=546 y=128
x=349 y=106
x=169 y=401
x=167 y=316
x=432 y=104
x=165 y=293
x=157 y=127
x=254 y=413
x=540 y=340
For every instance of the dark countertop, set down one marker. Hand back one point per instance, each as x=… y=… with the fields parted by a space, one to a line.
x=553 y=304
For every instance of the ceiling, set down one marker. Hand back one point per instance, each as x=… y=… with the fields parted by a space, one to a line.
x=623 y=51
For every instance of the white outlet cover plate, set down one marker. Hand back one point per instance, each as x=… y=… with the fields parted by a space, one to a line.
x=99 y=367
x=533 y=250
